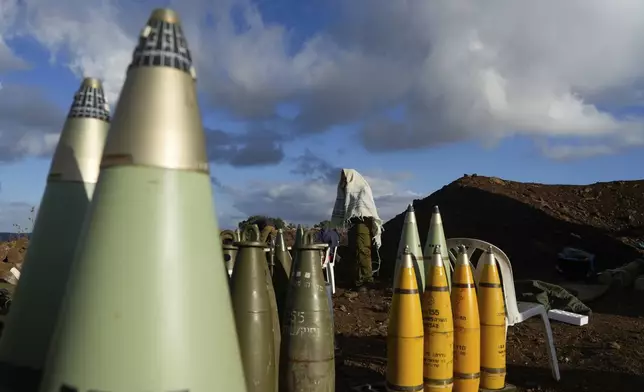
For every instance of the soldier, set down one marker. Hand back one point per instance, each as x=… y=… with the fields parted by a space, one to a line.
x=355 y=209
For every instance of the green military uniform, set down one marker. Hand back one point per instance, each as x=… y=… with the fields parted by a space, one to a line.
x=359 y=238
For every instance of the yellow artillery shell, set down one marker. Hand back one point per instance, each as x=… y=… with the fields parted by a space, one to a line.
x=492 y=308
x=438 y=328
x=405 y=332
x=467 y=332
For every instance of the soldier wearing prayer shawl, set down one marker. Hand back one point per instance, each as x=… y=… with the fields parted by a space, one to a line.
x=356 y=210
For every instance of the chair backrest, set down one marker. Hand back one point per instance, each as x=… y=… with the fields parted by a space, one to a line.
x=324 y=256
x=331 y=255
x=503 y=263
x=375 y=264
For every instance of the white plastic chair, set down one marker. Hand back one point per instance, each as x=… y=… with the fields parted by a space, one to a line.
x=328 y=264
x=516 y=311
x=375 y=264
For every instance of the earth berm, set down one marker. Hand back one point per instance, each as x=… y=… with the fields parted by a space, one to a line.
x=531 y=223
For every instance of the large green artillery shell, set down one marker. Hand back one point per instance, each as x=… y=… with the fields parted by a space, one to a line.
x=254 y=315
x=307 y=354
x=276 y=329
x=299 y=237
x=147 y=306
x=282 y=272
x=411 y=239
x=299 y=234
x=228 y=237
x=436 y=237
x=230 y=255
x=70 y=184
x=275 y=321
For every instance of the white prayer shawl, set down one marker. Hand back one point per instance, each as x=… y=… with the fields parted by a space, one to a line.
x=356 y=201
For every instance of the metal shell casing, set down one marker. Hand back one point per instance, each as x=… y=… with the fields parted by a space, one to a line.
x=467 y=327
x=436 y=236
x=439 y=328
x=410 y=238
x=307 y=353
x=253 y=315
x=492 y=313
x=405 y=331
x=78 y=155
x=281 y=274
x=38 y=298
x=147 y=305
x=160 y=76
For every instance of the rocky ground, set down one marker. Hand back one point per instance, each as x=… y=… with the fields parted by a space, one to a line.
x=531 y=223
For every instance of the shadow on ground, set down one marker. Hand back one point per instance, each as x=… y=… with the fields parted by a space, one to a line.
x=360 y=361
x=573 y=380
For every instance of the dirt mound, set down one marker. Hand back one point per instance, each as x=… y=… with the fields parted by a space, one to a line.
x=533 y=222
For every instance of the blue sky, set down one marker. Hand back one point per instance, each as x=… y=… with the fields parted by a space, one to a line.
x=413 y=95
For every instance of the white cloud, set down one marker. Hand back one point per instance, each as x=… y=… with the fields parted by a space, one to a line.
x=8 y=59
x=29 y=123
x=89 y=33
x=462 y=69
x=310 y=201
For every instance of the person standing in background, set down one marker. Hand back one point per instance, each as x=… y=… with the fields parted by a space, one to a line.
x=356 y=210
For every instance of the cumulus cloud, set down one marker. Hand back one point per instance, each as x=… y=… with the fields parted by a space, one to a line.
x=9 y=61
x=314 y=167
x=310 y=199
x=244 y=150
x=29 y=123
x=456 y=70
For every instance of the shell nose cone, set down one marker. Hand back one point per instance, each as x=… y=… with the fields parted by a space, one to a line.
x=437 y=250
x=89 y=101
x=163 y=44
x=165 y=15
x=92 y=82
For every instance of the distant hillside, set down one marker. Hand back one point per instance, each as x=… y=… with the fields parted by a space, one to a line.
x=8 y=236
x=533 y=222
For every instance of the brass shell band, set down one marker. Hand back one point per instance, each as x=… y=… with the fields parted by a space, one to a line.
x=464 y=285
x=60 y=177
x=490 y=285
x=405 y=291
x=437 y=288
x=492 y=325
x=317 y=247
x=466 y=376
x=249 y=244
x=403 y=388
x=128 y=160
x=493 y=370
x=438 y=381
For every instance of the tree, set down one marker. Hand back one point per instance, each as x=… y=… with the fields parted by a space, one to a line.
x=323 y=224
x=262 y=221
